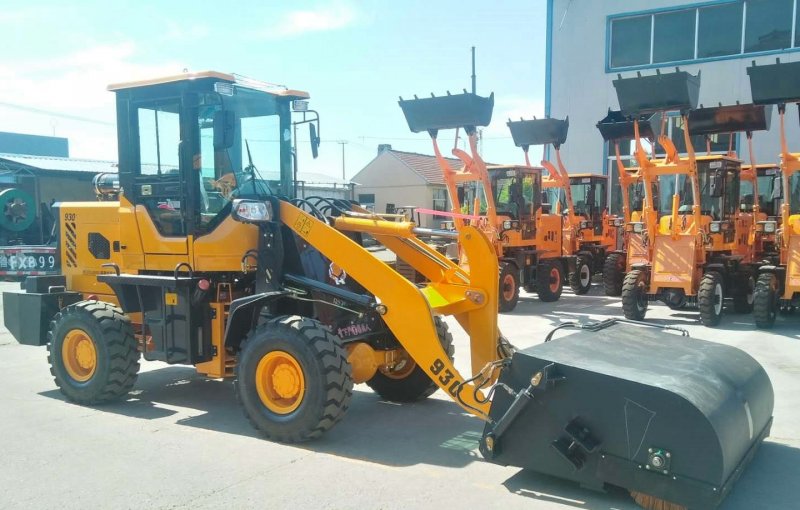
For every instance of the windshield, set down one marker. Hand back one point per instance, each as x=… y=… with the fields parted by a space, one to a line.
x=515 y=194
x=588 y=197
x=667 y=186
x=251 y=162
x=766 y=187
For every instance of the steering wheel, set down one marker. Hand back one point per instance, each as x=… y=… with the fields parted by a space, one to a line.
x=226 y=185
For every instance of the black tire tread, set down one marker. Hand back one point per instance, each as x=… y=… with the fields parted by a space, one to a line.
x=630 y=290
x=543 y=281
x=705 y=299
x=338 y=382
x=575 y=276
x=764 y=302
x=613 y=274
x=421 y=386
x=123 y=353
x=507 y=306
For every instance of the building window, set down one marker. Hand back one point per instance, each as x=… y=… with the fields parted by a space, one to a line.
x=630 y=41
x=703 y=31
x=768 y=25
x=439 y=200
x=714 y=35
x=673 y=36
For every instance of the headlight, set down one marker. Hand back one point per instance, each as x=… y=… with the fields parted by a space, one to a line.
x=618 y=222
x=770 y=226
x=507 y=225
x=714 y=227
x=251 y=211
x=584 y=224
x=638 y=227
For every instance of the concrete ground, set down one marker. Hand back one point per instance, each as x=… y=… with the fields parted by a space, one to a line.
x=181 y=441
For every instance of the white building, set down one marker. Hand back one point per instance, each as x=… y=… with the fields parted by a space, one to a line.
x=590 y=42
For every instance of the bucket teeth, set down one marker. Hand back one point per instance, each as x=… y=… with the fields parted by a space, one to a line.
x=658 y=93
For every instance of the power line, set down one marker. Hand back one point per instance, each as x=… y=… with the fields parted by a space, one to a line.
x=51 y=113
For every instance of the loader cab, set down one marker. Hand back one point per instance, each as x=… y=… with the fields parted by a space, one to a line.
x=719 y=179
x=189 y=145
x=590 y=199
x=768 y=193
x=517 y=196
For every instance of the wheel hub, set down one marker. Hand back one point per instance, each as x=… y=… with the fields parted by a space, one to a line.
x=280 y=382
x=285 y=381
x=79 y=355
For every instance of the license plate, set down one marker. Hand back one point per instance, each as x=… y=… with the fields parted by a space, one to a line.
x=28 y=261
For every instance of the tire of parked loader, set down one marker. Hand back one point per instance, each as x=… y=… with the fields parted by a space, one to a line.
x=293 y=379
x=411 y=383
x=634 y=295
x=92 y=352
x=549 y=280
x=711 y=299
x=508 y=296
x=580 y=280
x=765 y=300
x=613 y=274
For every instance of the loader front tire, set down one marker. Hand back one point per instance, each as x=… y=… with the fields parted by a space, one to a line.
x=92 y=352
x=549 y=280
x=634 y=295
x=411 y=383
x=613 y=274
x=765 y=301
x=509 y=288
x=293 y=379
x=710 y=299
x=580 y=280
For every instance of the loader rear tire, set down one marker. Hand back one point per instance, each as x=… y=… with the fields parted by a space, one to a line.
x=580 y=280
x=744 y=295
x=613 y=274
x=549 y=280
x=634 y=295
x=412 y=383
x=765 y=301
x=711 y=299
x=649 y=502
x=92 y=352
x=293 y=379
x=509 y=288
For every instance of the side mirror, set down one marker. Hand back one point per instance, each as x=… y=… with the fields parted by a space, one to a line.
x=777 y=188
x=224 y=129
x=312 y=135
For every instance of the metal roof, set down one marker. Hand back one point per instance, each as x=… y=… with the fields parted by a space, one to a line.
x=270 y=88
x=51 y=163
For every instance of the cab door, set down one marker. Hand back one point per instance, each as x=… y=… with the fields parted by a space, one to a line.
x=159 y=191
x=532 y=196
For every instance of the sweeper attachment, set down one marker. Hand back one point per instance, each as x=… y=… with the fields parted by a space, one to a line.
x=669 y=418
x=505 y=202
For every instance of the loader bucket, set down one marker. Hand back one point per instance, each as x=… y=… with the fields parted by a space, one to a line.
x=657 y=93
x=539 y=132
x=616 y=126
x=775 y=83
x=447 y=112
x=729 y=119
x=671 y=417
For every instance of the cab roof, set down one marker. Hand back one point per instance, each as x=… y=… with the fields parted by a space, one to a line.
x=269 y=88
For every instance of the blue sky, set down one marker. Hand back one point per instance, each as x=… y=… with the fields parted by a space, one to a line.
x=354 y=57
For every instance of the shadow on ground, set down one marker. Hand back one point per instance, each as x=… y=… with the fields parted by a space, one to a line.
x=433 y=431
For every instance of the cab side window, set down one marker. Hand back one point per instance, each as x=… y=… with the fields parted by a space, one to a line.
x=158 y=183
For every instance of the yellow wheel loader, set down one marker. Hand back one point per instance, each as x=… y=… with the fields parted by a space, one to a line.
x=616 y=128
x=507 y=204
x=590 y=232
x=778 y=285
x=201 y=261
x=699 y=247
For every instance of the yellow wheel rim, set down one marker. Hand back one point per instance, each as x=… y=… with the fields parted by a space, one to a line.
x=280 y=382
x=79 y=355
x=508 y=287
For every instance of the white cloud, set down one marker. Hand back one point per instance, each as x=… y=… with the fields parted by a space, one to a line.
x=73 y=84
x=323 y=18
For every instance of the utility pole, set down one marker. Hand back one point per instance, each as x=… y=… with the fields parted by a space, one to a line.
x=473 y=70
x=343 y=143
